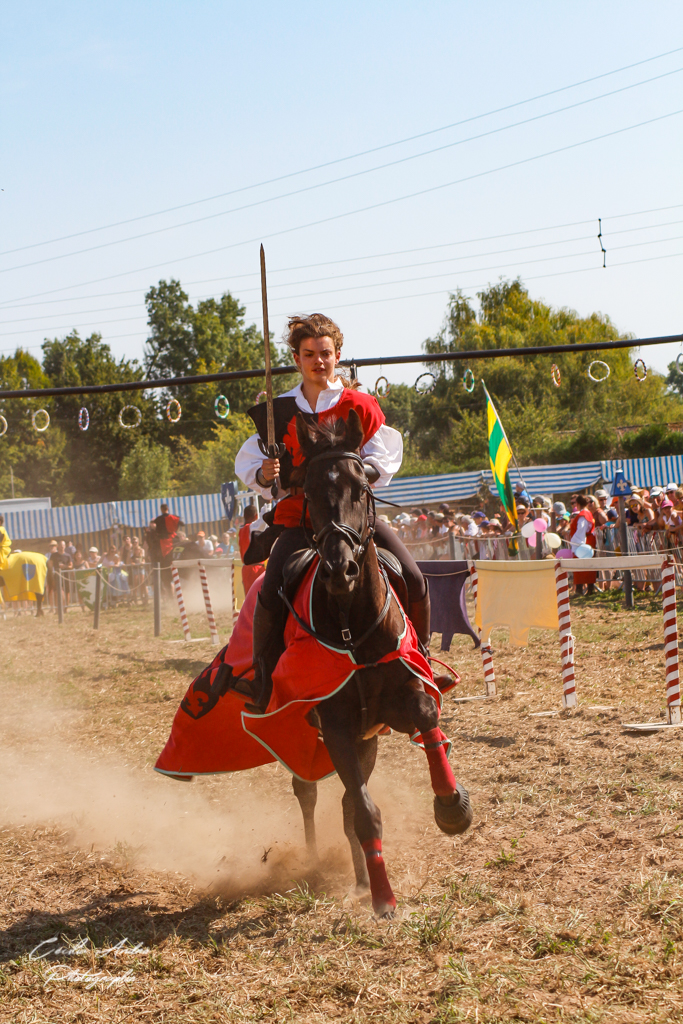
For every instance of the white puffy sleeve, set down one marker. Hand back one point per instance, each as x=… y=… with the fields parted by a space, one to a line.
x=581 y=532
x=385 y=451
x=247 y=461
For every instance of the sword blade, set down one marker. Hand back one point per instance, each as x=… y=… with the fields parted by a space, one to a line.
x=266 y=351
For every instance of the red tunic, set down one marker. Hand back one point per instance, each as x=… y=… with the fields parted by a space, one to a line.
x=288 y=511
x=584 y=577
x=250 y=573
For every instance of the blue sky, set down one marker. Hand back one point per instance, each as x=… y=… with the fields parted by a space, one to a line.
x=116 y=111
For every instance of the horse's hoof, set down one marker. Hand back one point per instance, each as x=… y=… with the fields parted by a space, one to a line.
x=360 y=892
x=384 y=911
x=456 y=817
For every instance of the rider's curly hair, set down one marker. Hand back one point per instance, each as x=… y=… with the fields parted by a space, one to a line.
x=316 y=325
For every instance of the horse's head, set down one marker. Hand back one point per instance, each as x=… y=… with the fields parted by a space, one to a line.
x=336 y=487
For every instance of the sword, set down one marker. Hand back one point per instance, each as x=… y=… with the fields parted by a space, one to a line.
x=272 y=450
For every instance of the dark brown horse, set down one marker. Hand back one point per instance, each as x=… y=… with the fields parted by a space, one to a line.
x=354 y=610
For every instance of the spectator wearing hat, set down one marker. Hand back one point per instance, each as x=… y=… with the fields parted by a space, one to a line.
x=521 y=494
x=599 y=515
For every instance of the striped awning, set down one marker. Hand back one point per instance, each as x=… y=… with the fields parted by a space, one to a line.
x=417 y=490
x=553 y=479
x=195 y=508
x=661 y=470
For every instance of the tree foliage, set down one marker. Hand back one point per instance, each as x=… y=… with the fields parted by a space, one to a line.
x=579 y=421
x=444 y=431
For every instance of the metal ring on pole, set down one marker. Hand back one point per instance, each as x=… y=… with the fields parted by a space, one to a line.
x=175 y=404
x=468 y=381
x=385 y=391
x=598 y=362
x=555 y=375
x=429 y=388
x=261 y=396
x=635 y=370
x=83 y=418
x=221 y=407
x=33 y=420
x=678 y=362
x=3 y=424
x=129 y=426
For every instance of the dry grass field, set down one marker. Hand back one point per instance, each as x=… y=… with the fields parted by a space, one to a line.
x=157 y=901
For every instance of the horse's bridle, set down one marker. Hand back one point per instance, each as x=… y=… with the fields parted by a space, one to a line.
x=359 y=545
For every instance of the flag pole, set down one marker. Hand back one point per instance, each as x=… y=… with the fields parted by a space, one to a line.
x=506 y=437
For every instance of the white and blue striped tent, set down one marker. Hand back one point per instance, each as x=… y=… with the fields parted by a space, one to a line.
x=553 y=479
x=194 y=509
x=419 y=490
x=646 y=472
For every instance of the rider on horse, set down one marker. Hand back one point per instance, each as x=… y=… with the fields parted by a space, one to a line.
x=315 y=342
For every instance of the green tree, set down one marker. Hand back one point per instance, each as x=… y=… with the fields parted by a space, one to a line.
x=95 y=455
x=202 y=470
x=145 y=471
x=36 y=459
x=185 y=341
x=545 y=424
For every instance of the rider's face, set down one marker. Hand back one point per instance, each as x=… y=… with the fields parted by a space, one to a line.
x=317 y=359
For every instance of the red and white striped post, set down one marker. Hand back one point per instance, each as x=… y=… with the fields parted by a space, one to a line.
x=673 y=685
x=569 y=699
x=181 y=604
x=215 y=639
x=486 y=655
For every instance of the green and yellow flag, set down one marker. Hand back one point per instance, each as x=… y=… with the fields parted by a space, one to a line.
x=500 y=454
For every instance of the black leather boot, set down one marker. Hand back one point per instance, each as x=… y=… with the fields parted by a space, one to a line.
x=419 y=616
x=268 y=644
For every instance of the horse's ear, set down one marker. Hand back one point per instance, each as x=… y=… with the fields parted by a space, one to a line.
x=305 y=435
x=354 y=431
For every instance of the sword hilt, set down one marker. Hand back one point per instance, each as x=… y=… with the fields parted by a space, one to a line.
x=273 y=451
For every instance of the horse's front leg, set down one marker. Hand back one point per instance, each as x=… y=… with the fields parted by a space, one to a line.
x=367 y=754
x=307 y=795
x=367 y=820
x=452 y=808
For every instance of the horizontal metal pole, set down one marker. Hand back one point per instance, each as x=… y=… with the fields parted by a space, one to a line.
x=618 y=562
x=202 y=561
x=435 y=357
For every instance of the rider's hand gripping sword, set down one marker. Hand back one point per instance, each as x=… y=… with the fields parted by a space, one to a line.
x=272 y=450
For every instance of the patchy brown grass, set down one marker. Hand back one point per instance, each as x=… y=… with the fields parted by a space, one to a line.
x=564 y=902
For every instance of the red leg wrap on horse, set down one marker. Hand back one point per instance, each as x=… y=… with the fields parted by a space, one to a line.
x=379 y=883
x=443 y=779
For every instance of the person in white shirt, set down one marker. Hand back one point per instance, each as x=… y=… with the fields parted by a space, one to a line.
x=315 y=342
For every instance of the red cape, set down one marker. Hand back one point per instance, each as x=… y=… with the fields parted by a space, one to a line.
x=226 y=738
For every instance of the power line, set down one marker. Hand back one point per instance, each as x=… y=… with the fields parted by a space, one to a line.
x=386 y=284
x=333 y=181
x=397 y=199
x=353 y=259
x=398 y=298
x=354 y=156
